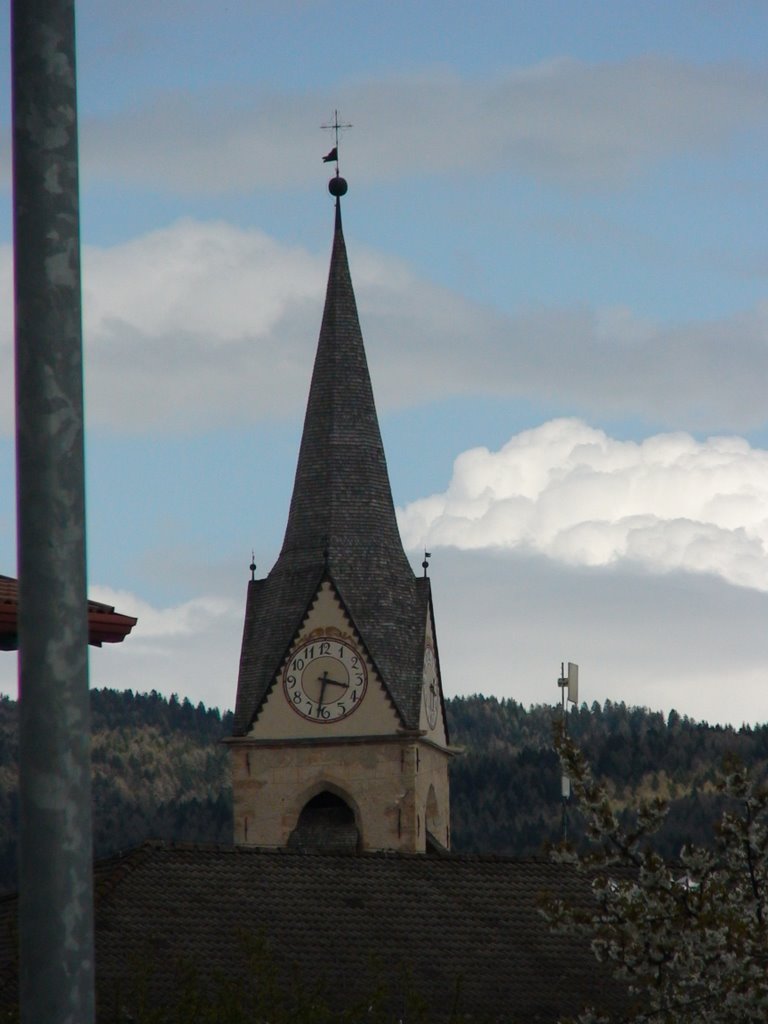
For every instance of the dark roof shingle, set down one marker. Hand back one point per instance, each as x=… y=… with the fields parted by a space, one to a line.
x=456 y=930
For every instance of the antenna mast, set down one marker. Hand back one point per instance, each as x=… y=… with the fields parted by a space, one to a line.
x=569 y=687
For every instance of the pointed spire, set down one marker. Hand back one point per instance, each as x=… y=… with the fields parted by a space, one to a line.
x=341 y=499
x=341 y=523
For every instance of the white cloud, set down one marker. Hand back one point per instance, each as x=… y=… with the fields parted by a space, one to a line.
x=203 y=324
x=192 y=326
x=158 y=624
x=507 y=619
x=570 y=492
x=564 y=120
x=199 y=325
x=211 y=278
x=191 y=649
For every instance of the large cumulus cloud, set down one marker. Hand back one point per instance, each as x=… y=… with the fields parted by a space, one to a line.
x=578 y=496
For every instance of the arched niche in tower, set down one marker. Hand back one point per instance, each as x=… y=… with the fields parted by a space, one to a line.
x=327 y=822
x=432 y=818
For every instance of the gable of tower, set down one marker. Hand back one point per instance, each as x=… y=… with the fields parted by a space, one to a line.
x=389 y=617
x=341 y=523
x=360 y=705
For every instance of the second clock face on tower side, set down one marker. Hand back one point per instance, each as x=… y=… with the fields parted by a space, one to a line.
x=430 y=686
x=325 y=678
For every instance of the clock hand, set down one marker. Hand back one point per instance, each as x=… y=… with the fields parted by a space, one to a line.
x=323 y=680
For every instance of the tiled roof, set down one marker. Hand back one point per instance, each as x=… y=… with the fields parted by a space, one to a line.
x=341 y=526
x=105 y=625
x=453 y=929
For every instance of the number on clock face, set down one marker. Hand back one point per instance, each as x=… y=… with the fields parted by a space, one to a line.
x=325 y=679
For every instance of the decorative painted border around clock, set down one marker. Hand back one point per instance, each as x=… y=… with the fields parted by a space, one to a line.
x=325 y=676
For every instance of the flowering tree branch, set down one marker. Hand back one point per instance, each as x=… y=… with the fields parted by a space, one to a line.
x=689 y=938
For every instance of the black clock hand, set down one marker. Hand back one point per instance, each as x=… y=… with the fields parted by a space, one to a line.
x=323 y=680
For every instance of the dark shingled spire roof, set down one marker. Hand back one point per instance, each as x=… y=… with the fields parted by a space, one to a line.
x=341 y=526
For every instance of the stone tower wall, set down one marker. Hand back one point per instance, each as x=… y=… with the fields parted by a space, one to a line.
x=386 y=783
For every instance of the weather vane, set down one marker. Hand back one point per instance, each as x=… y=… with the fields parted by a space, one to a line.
x=336 y=127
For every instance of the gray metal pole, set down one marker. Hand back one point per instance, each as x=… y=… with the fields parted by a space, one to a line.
x=56 y=901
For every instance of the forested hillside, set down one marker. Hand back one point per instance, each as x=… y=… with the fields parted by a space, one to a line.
x=160 y=770
x=505 y=790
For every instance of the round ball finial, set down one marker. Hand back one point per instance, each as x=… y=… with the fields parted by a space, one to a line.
x=337 y=186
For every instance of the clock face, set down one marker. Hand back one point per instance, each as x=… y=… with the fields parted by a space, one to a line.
x=325 y=678
x=430 y=686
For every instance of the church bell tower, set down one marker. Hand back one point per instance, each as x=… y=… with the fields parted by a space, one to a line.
x=340 y=740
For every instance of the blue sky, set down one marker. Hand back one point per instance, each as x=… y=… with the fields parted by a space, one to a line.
x=556 y=226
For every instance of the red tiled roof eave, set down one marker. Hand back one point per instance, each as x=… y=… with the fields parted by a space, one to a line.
x=105 y=625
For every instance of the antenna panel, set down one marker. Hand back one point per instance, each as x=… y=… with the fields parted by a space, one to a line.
x=573 y=683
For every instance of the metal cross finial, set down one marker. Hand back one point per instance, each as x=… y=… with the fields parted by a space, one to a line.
x=335 y=126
